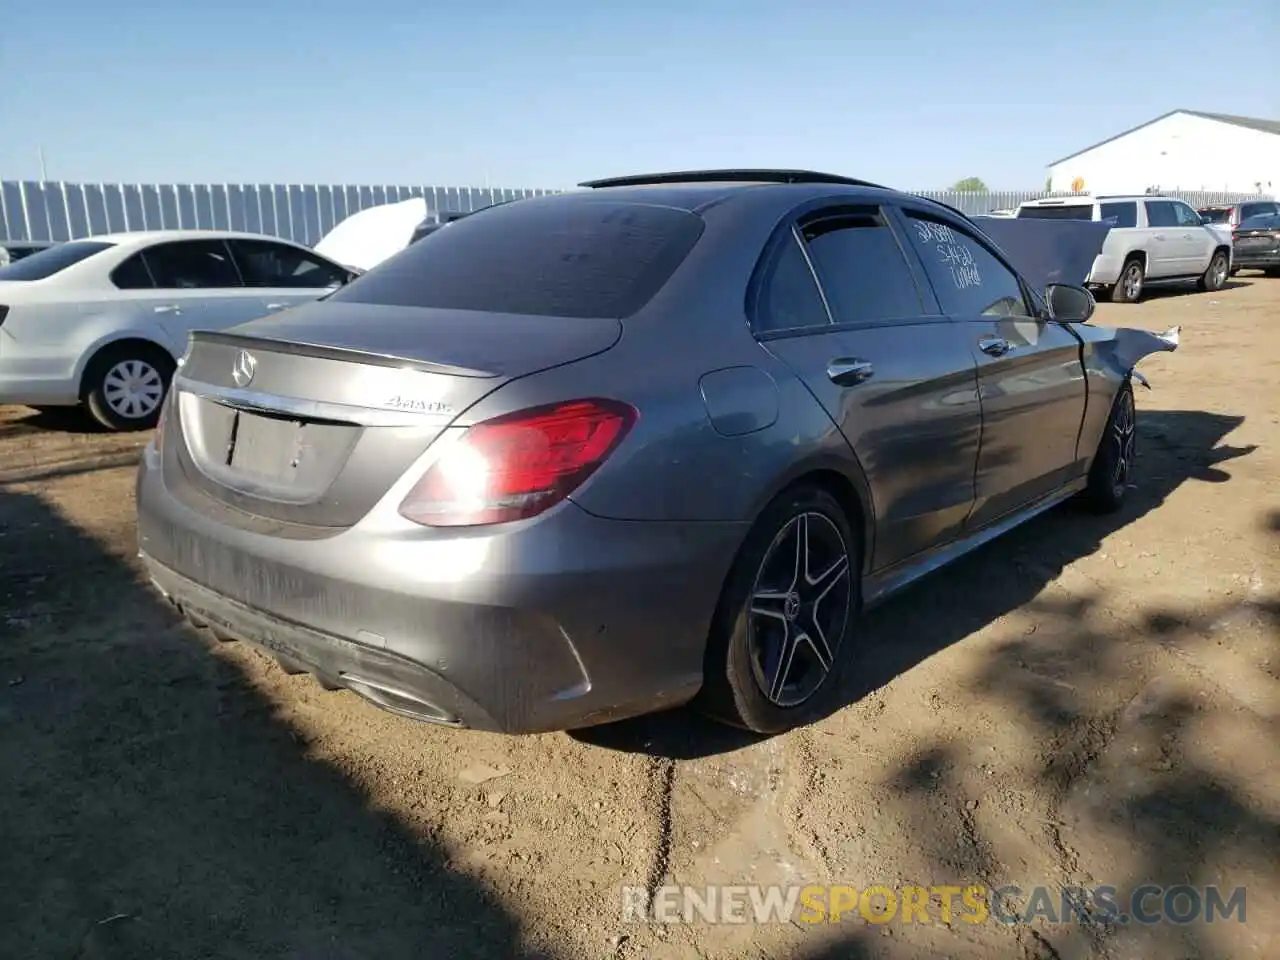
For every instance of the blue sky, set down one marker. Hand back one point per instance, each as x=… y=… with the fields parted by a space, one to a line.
x=917 y=93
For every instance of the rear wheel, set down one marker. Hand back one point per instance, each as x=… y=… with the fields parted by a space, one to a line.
x=1128 y=288
x=125 y=384
x=1112 y=469
x=1215 y=277
x=780 y=634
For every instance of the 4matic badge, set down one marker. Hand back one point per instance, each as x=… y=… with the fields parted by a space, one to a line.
x=399 y=402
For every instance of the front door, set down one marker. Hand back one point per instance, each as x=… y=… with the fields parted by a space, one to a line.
x=1161 y=240
x=895 y=376
x=1195 y=243
x=1030 y=377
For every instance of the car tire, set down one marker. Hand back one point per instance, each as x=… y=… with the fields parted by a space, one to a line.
x=1128 y=286
x=768 y=609
x=125 y=384
x=1215 y=276
x=1112 y=468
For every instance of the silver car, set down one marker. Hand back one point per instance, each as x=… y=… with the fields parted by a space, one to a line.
x=591 y=455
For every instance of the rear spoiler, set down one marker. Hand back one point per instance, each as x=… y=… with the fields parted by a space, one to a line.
x=324 y=351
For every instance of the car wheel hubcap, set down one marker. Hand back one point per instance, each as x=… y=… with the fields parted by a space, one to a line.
x=1123 y=436
x=133 y=389
x=1132 y=282
x=799 y=609
x=1219 y=272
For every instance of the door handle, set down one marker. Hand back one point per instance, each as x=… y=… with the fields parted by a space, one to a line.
x=848 y=371
x=278 y=306
x=1160 y=236
x=168 y=308
x=995 y=346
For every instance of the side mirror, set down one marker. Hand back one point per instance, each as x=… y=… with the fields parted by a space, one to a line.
x=1069 y=304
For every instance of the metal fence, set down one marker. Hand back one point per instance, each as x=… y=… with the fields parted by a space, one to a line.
x=976 y=203
x=50 y=210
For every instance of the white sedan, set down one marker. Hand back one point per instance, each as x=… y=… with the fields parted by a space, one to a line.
x=102 y=321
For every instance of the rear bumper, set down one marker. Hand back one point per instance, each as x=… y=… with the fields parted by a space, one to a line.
x=561 y=622
x=41 y=379
x=1246 y=259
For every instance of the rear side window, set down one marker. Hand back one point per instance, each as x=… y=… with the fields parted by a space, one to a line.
x=192 y=265
x=1161 y=213
x=132 y=274
x=1073 y=211
x=46 y=263
x=1123 y=214
x=861 y=266
x=557 y=257
x=787 y=297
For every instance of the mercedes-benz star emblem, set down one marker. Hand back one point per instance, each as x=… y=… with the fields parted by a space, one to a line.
x=242 y=372
x=791 y=606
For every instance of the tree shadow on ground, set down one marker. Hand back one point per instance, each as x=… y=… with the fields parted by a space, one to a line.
x=1172 y=782
x=944 y=608
x=72 y=420
x=154 y=806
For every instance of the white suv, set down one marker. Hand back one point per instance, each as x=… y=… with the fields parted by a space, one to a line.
x=1152 y=240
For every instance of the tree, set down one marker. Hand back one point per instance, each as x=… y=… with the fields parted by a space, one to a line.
x=970 y=185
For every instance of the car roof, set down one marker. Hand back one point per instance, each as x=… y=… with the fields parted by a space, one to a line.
x=145 y=237
x=697 y=194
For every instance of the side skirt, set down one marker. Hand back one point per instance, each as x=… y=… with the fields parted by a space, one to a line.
x=880 y=586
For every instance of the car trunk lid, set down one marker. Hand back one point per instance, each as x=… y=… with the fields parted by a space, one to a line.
x=308 y=417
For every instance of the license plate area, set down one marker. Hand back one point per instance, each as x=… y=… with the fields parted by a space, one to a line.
x=284 y=458
x=264 y=455
x=268 y=448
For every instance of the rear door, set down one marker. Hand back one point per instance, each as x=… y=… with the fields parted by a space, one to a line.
x=1030 y=377
x=196 y=287
x=894 y=374
x=1161 y=239
x=284 y=275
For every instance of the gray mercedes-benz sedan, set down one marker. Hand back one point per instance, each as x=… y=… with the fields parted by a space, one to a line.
x=590 y=455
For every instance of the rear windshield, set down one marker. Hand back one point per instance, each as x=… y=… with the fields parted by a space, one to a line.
x=1072 y=212
x=1262 y=221
x=553 y=257
x=1216 y=214
x=46 y=263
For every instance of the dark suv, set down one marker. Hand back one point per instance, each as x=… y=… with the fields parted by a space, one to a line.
x=1231 y=214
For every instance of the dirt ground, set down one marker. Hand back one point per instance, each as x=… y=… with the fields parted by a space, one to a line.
x=1087 y=701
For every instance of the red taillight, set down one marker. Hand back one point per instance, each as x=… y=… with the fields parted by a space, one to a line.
x=516 y=466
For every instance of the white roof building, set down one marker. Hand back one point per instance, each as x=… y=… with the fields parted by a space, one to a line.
x=1182 y=150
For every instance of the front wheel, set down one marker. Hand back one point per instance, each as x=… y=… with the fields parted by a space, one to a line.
x=1215 y=277
x=125 y=384
x=780 y=634
x=1112 y=469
